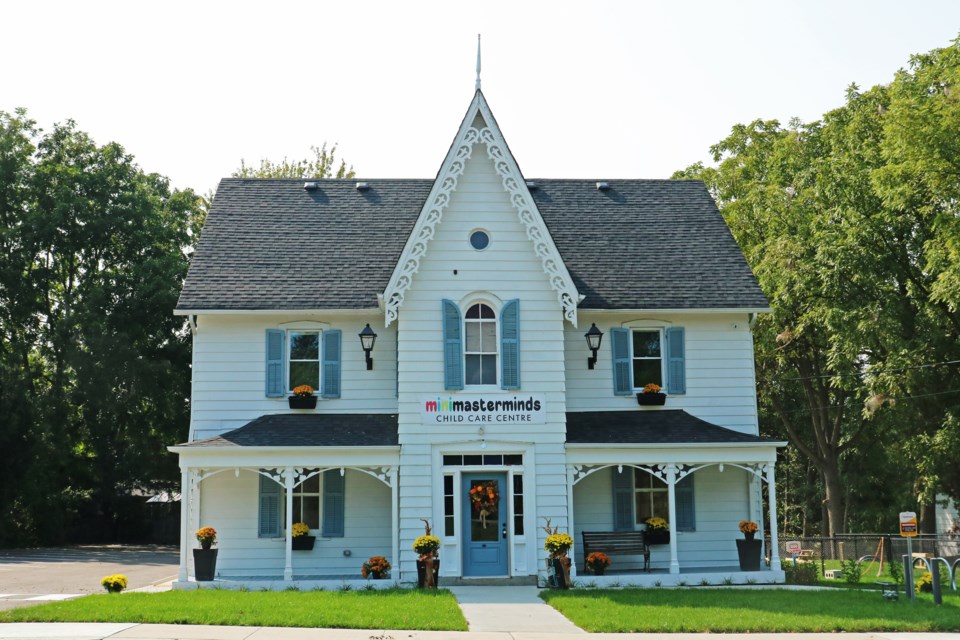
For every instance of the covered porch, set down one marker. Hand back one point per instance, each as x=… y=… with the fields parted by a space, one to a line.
x=626 y=467
x=336 y=473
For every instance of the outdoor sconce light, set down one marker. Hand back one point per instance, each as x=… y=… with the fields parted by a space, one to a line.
x=367 y=340
x=594 y=338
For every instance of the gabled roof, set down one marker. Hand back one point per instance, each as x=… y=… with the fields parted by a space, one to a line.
x=314 y=430
x=479 y=127
x=671 y=426
x=642 y=244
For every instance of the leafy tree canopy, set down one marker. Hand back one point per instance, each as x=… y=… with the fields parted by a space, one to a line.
x=321 y=166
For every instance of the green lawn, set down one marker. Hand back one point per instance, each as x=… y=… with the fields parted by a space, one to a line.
x=388 y=609
x=731 y=610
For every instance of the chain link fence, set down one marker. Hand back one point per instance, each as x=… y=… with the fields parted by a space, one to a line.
x=868 y=546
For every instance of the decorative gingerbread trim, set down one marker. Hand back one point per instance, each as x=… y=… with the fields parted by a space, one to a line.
x=439 y=199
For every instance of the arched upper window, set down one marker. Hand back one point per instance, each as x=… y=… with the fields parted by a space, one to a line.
x=480 y=345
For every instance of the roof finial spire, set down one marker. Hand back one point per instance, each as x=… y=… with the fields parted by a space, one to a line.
x=478 y=62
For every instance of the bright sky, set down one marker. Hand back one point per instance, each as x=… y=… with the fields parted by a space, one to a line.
x=580 y=89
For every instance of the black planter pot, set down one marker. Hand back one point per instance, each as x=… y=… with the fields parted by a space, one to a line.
x=303 y=543
x=750 y=552
x=296 y=402
x=422 y=573
x=651 y=399
x=657 y=536
x=204 y=564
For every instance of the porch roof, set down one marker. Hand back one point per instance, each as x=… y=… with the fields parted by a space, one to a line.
x=663 y=427
x=313 y=430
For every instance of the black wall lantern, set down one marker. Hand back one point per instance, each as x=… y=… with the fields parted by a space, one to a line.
x=367 y=340
x=594 y=338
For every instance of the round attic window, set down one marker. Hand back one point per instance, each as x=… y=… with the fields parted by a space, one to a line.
x=479 y=240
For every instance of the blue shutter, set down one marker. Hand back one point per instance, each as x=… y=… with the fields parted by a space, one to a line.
x=274 y=373
x=623 y=518
x=622 y=369
x=452 y=347
x=269 y=508
x=686 y=516
x=676 y=368
x=331 y=364
x=510 y=345
x=333 y=503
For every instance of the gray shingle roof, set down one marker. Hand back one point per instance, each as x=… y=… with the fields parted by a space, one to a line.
x=671 y=426
x=313 y=430
x=642 y=244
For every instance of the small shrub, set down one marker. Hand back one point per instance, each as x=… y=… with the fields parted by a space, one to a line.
x=681 y=583
x=925 y=583
x=801 y=573
x=728 y=580
x=852 y=571
x=704 y=582
x=896 y=572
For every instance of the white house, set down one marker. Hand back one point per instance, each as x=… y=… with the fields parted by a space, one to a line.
x=480 y=286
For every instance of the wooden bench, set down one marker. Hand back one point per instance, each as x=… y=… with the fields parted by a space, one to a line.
x=617 y=543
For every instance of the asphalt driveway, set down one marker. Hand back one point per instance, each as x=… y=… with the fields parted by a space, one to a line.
x=33 y=576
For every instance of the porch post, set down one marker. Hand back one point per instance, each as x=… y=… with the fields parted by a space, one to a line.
x=774 y=541
x=288 y=539
x=573 y=557
x=395 y=521
x=183 y=575
x=672 y=510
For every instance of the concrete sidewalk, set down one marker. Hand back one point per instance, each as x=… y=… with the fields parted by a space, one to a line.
x=105 y=631
x=512 y=610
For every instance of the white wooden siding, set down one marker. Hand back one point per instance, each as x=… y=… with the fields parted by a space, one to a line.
x=230 y=504
x=507 y=269
x=721 y=501
x=721 y=385
x=229 y=366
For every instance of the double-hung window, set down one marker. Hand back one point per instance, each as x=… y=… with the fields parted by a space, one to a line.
x=306 y=502
x=298 y=356
x=647 y=357
x=480 y=346
x=641 y=495
x=303 y=359
x=642 y=356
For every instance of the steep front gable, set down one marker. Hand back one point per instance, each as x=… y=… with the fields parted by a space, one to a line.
x=480 y=127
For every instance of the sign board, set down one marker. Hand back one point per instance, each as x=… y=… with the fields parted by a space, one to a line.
x=908 y=524
x=484 y=409
x=792 y=547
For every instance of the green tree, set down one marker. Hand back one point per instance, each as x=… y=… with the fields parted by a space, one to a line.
x=96 y=367
x=321 y=166
x=850 y=225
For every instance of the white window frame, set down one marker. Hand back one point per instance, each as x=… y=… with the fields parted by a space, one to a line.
x=648 y=491
x=638 y=385
x=496 y=341
x=288 y=360
x=298 y=492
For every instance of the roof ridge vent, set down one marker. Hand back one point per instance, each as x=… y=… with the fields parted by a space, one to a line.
x=603 y=186
x=310 y=186
x=532 y=184
x=363 y=186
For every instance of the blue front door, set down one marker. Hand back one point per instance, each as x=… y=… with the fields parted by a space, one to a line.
x=484 y=524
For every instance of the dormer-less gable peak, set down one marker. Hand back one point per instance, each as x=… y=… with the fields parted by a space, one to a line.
x=479 y=127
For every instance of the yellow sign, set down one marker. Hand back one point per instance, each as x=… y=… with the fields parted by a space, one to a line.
x=908 y=524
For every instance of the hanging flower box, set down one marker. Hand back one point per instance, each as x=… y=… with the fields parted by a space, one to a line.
x=651 y=396
x=303 y=398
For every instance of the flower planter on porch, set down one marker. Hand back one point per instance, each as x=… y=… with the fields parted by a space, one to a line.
x=204 y=564
x=303 y=543
x=657 y=536
x=422 y=573
x=749 y=552
x=558 y=572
